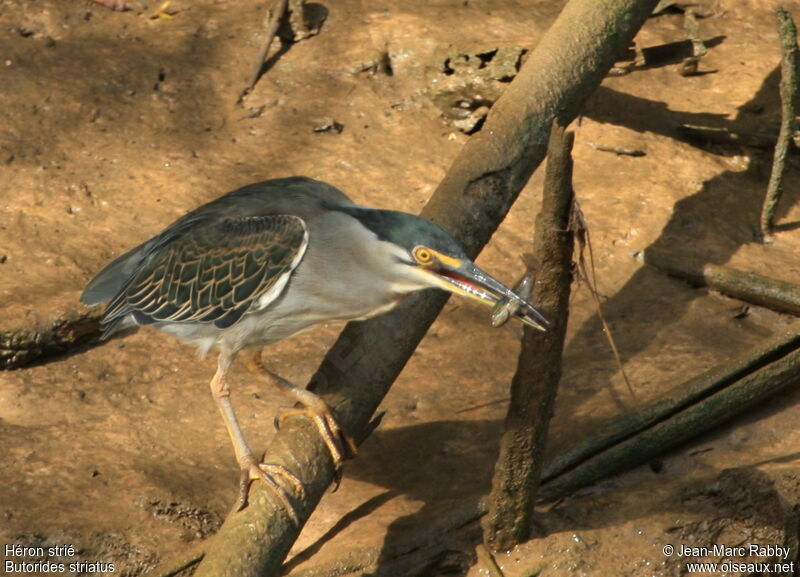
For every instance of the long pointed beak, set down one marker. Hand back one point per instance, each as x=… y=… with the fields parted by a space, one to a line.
x=470 y=281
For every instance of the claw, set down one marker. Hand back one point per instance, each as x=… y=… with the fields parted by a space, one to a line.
x=252 y=470
x=340 y=445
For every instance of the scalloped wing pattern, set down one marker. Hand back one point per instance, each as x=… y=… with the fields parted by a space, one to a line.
x=213 y=273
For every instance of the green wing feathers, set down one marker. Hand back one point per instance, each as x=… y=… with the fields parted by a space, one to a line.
x=213 y=273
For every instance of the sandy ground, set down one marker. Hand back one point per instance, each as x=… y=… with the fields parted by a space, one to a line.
x=113 y=124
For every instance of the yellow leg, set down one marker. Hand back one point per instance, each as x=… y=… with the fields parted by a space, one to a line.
x=339 y=443
x=251 y=468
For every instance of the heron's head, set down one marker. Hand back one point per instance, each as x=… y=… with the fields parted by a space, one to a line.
x=426 y=255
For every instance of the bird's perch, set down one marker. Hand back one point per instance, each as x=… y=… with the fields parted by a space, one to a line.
x=477 y=192
x=534 y=386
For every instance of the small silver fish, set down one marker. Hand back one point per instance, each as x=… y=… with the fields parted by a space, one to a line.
x=505 y=308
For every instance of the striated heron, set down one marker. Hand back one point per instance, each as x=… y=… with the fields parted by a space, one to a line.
x=268 y=260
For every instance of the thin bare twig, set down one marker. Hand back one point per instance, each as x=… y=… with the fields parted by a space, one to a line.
x=622 y=151
x=788 y=92
x=578 y=225
x=486 y=558
x=271 y=23
x=690 y=64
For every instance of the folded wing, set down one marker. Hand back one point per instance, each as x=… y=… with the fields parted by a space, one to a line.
x=212 y=273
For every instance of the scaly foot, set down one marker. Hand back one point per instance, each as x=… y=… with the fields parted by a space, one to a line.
x=252 y=470
x=339 y=443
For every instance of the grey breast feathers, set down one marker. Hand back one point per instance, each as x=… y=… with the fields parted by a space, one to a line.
x=213 y=272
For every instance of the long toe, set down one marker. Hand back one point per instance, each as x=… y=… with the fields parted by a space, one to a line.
x=253 y=471
x=347 y=446
x=335 y=439
x=340 y=445
x=271 y=470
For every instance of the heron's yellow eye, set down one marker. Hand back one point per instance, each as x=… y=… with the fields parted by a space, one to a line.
x=423 y=255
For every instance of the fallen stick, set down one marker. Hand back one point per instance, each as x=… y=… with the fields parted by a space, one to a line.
x=689 y=393
x=693 y=408
x=788 y=92
x=728 y=136
x=759 y=290
x=535 y=383
x=622 y=151
x=568 y=64
x=24 y=346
